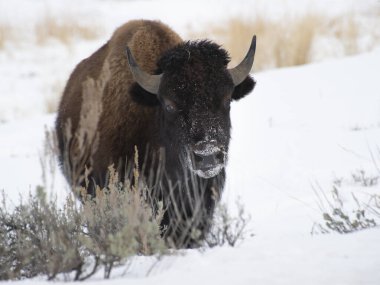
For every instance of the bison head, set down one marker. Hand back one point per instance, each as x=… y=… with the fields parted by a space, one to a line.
x=193 y=90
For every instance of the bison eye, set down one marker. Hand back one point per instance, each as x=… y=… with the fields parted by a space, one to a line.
x=170 y=107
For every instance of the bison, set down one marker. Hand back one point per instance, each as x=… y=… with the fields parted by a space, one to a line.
x=165 y=96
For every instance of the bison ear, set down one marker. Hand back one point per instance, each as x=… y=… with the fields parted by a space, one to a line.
x=243 y=88
x=143 y=97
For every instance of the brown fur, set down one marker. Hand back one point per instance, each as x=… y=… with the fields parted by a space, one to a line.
x=122 y=121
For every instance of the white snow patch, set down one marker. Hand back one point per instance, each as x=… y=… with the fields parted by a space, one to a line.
x=209 y=173
x=207 y=148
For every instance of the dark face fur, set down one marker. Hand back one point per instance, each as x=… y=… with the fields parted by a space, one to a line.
x=194 y=99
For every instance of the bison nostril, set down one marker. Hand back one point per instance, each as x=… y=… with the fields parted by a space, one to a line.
x=199 y=136
x=220 y=156
x=208 y=160
x=198 y=158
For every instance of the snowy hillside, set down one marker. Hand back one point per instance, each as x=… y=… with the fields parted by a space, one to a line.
x=302 y=131
x=300 y=127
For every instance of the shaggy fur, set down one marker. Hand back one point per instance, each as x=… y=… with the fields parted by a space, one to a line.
x=198 y=89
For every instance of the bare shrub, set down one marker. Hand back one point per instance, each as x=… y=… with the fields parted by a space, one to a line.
x=363 y=215
x=120 y=223
x=362 y=178
x=228 y=229
x=39 y=238
x=342 y=219
x=48 y=160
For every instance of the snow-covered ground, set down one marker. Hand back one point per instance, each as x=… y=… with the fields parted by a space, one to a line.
x=300 y=129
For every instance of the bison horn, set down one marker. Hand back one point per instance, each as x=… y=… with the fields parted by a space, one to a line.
x=149 y=82
x=240 y=72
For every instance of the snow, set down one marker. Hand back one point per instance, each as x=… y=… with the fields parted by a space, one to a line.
x=299 y=130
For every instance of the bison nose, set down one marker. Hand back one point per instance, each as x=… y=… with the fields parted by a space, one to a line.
x=207 y=155
x=207 y=161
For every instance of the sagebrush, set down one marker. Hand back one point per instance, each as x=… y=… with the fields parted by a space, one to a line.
x=40 y=238
x=343 y=218
x=77 y=240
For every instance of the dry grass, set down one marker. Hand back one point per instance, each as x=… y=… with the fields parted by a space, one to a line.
x=346 y=29
x=53 y=97
x=64 y=29
x=6 y=34
x=286 y=42
x=278 y=44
